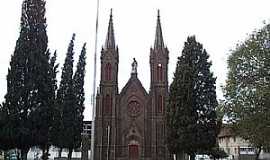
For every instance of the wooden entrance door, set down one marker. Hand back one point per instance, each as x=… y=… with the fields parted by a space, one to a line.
x=133 y=152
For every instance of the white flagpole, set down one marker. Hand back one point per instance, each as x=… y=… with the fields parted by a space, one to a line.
x=108 y=144
x=94 y=87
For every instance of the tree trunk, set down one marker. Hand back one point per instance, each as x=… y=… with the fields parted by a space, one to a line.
x=24 y=153
x=18 y=155
x=69 y=153
x=180 y=156
x=192 y=156
x=60 y=152
x=45 y=152
x=258 y=153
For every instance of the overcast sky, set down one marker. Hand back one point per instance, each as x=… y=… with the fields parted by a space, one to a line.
x=218 y=24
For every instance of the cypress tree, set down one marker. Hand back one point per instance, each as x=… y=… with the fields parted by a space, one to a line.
x=181 y=114
x=63 y=128
x=78 y=85
x=191 y=116
x=46 y=113
x=27 y=83
x=205 y=100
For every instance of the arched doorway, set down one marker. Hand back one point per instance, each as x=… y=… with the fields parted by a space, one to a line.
x=133 y=150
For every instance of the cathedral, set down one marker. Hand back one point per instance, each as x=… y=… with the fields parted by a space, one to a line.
x=130 y=124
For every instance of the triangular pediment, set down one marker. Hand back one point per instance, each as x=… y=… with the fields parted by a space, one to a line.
x=133 y=85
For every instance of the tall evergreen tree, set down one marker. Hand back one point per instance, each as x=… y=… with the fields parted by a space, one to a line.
x=46 y=113
x=78 y=86
x=63 y=128
x=191 y=116
x=27 y=83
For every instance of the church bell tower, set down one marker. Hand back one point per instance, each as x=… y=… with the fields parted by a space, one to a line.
x=159 y=58
x=107 y=97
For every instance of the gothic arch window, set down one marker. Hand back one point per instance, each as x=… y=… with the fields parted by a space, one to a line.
x=160 y=102
x=107 y=104
x=108 y=72
x=159 y=72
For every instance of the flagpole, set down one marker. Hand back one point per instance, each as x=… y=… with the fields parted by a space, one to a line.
x=94 y=87
x=108 y=144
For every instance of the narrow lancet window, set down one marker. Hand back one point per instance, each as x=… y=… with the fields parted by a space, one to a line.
x=108 y=72
x=160 y=104
x=107 y=104
x=159 y=72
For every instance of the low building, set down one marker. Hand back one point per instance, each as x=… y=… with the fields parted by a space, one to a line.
x=236 y=147
x=87 y=127
x=86 y=140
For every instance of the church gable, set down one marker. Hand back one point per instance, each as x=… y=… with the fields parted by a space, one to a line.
x=132 y=86
x=133 y=99
x=132 y=110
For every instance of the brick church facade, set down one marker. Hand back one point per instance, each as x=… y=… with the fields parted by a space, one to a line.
x=130 y=124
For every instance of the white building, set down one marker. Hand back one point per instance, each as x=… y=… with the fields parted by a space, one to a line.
x=236 y=147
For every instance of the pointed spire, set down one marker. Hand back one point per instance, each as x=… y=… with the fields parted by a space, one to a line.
x=158 y=37
x=110 y=41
